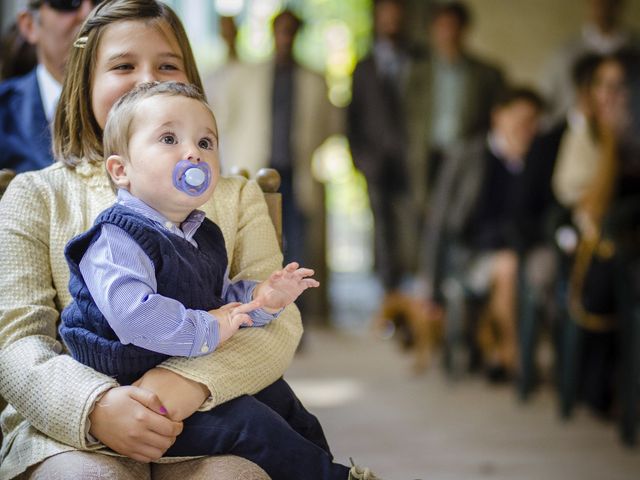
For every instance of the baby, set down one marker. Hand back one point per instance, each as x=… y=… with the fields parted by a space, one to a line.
x=150 y=280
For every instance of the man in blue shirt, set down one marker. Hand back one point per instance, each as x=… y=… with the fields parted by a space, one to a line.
x=27 y=103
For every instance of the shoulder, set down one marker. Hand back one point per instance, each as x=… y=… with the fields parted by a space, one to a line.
x=231 y=194
x=16 y=95
x=59 y=175
x=17 y=88
x=33 y=194
x=15 y=84
x=228 y=189
x=32 y=199
x=50 y=179
x=60 y=188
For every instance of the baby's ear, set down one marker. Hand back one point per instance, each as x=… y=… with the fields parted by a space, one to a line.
x=117 y=169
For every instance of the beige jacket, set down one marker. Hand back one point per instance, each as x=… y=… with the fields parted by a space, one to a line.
x=50 y=395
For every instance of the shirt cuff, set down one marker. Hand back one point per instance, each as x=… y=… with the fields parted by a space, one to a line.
x=91 y=440
x=207 y=334
x=261 y=318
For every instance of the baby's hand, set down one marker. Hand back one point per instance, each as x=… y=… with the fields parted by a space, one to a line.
x=231 y=316
x=283 y=287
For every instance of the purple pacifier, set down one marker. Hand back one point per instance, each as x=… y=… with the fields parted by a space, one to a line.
x=192 y=178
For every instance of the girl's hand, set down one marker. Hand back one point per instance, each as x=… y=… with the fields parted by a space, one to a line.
x=133 y=422
x=283 y=287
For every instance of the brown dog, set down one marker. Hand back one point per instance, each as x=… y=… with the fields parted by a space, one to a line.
x=419 y=326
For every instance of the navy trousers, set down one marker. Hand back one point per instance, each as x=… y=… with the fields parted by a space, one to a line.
x=271 y=428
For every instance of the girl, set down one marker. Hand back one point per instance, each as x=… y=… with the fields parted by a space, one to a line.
x=58 y=406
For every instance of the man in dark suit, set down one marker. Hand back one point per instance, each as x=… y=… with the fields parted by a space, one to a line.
x=377 y=136
x=27 y=103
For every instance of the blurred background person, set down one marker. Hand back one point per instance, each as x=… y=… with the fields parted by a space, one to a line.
x=17 y=56
x=597 y=179
x=603 y=32
x=451 y=92
x=468 y=243
x=27 y=103
x=278 y=115
x=377 y=133
x=536 y=213
x=219 y=83
x=229 y=33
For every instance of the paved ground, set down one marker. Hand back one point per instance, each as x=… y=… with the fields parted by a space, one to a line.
x=426 y=427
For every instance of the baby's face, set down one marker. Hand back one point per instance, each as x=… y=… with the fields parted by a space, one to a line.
x=166 y=130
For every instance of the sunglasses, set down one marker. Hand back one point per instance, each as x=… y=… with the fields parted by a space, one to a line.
x=62 y=5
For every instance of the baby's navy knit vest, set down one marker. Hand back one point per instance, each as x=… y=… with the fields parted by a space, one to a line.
x=190 y=275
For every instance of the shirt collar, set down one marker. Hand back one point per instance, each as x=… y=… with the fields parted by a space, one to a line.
x=50 y=91
x=186 y=230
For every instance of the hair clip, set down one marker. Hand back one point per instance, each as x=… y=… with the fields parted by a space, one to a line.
x=81 y=42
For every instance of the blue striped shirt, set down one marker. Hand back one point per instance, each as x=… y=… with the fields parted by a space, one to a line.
x=122 y=282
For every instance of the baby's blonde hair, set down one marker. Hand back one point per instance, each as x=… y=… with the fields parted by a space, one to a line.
x=117 y=130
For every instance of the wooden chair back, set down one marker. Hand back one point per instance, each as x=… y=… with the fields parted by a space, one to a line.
x=269 y=181
x=6 y=176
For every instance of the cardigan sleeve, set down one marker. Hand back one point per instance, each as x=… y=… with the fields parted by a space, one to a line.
x=52 y=391
x=254 y=357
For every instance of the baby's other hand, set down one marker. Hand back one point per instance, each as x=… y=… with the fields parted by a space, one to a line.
x=283 y=287
x=232 y=316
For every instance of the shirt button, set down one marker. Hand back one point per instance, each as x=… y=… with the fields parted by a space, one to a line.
x=205 y=348
x=168 y=225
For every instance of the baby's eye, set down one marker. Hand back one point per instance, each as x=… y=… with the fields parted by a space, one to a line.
x=168 y=66
x=206 y=143
x=123 y=66
x=168 y=139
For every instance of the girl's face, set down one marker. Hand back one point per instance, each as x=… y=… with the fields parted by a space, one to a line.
x=609 y=92
x=133 y=52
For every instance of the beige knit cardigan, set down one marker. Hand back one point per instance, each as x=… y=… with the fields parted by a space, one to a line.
x=50 y=395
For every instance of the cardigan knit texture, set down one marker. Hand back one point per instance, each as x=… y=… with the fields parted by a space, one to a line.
x=191 y=275
x=50 y=395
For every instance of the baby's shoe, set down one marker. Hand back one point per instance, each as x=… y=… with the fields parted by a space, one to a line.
x=359 y=473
